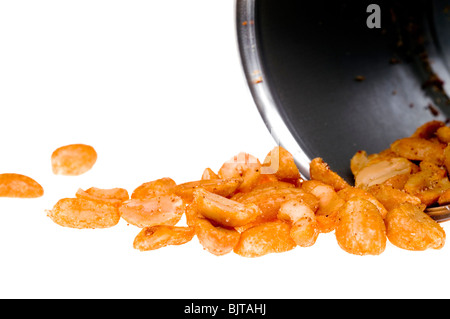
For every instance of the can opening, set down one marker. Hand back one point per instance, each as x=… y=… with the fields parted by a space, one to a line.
x=328 y=85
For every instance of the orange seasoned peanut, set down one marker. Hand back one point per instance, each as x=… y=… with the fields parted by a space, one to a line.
x=360 y=229
x=418 y=149
x=447 y=158
x=428 y=129
x=444 y=199
x=269 y=182
x=267 y=179
x=21 y=186
x=269 y=200
x=113 y=196
x=118 y=193
x=192 y=215
x=159 y=210
x=358 y=161
x=74 y=159
x=428 y=184
x=243 y=166
x=380 y=171
x=223 y=187
x=443 y=134
x=320 y=171
x=224 y=211
x=329 y=204
x=83 y=213
x=283 y=163
x=391 y=197
x=408 y=227
x=155 y=237
x=304 y=230
x=352 y=192
x=265 y=238
x=151 y=189
x=209 y=174
x=216 y=240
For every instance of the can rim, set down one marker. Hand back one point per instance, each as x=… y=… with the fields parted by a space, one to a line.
x=262 y=95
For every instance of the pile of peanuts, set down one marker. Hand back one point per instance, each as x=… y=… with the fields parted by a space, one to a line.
x=254 y=208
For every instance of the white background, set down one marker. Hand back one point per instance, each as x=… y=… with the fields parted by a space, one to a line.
x=157 y=88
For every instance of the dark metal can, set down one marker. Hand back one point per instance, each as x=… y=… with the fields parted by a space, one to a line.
x=328 y=83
